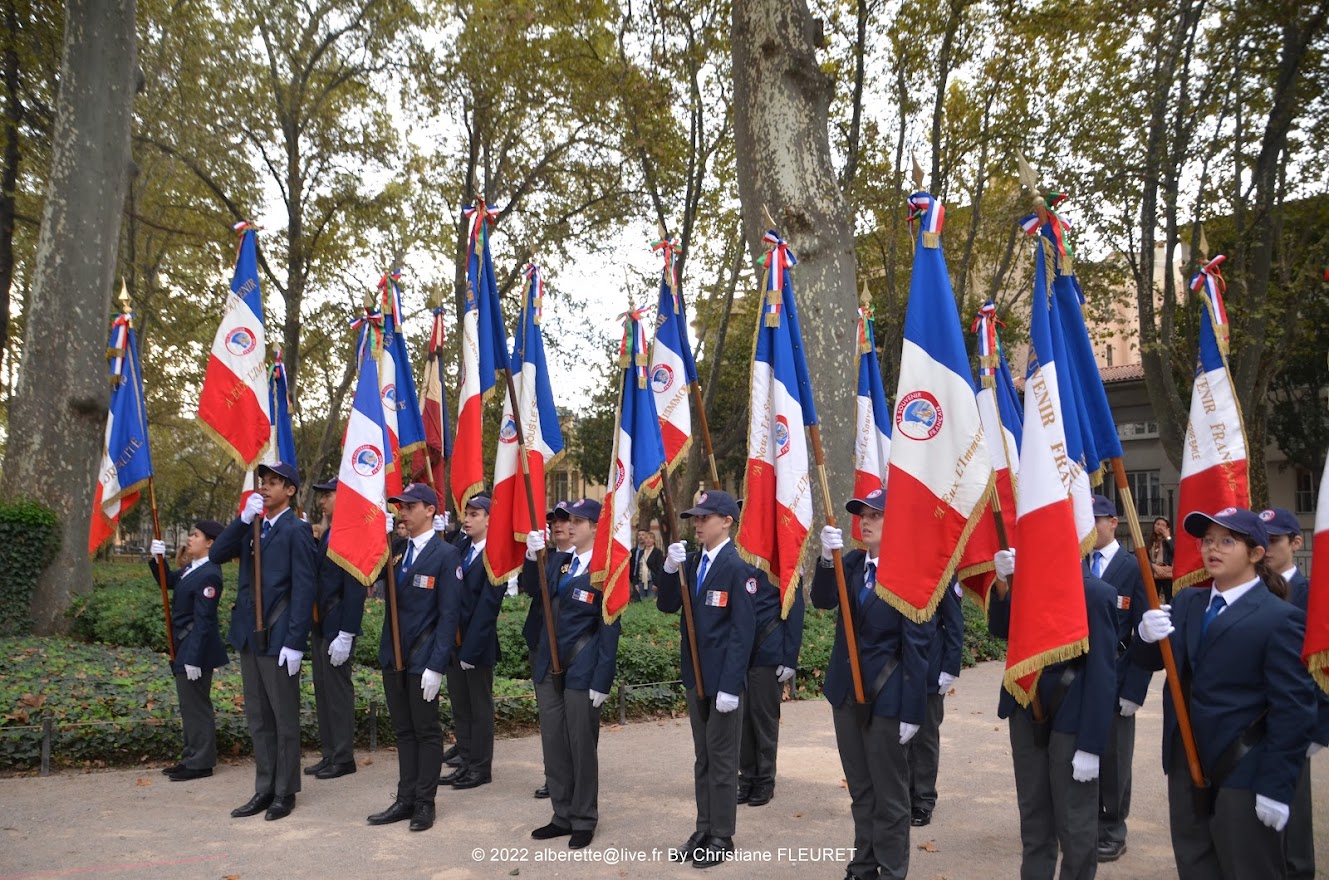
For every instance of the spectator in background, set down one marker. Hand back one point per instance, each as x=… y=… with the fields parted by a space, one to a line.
x=1160 y=557
x=644 y=565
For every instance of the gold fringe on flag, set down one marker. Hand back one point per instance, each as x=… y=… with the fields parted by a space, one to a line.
x=931 y=240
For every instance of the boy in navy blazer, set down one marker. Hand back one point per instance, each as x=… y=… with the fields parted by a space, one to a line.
x=271 y=672
x=195 y=591
x=722 y=586
x=774 y=662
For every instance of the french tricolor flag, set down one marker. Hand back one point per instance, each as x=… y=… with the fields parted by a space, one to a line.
x=1315 y=650
x=1048 y=618
x=673 y=369
x=940 y=472
x=510 y=513
x=777 y=502
x=1213 y=458
x=400 y=404
x=357 y=540
x=126 y=465
x=872 y=418
x=233 y=404
x=281 y=436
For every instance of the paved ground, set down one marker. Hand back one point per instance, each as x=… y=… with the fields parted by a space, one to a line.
x=135 y=824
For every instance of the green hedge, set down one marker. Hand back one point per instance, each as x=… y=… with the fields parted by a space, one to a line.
x=29 y=539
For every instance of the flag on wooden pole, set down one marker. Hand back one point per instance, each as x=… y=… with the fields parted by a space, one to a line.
x=126 y=459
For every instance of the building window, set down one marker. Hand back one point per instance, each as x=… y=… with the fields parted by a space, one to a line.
x=1305 y=501
x=1109 y=355
x=560 y=487
x=1137 y=430
x=1147 y=490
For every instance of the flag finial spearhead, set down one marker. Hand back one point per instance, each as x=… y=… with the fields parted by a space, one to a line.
x=918 y=171
x=125 y=305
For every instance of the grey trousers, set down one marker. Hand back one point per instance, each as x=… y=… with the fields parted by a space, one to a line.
x=1230 y=845
x=1114 y=782
x=570 y=740
x=761 y=727
x=272 y=711
x=925 y=756
x=1300 y=836
x=471 y=693
x=334 y=700
x=198 y=721
x=876 y=768
x=419 y=737
x=1056 y=812
x=715 y=743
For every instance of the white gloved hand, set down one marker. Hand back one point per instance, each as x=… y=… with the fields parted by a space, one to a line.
x=339 y=650
x=832 y=539
x=1156 y=624
x=597 y=699
x=430 y=682
x=1084 y=766
x=1271 y=812
x=1313 y=748
x=389 y=523
x=253 y=507
x=675 y=556
x=304 y=518
x=157 y=548
x=944 y=682
x=193 y=673
x=725 y=702
x=1127 y=707
x=907 y=731
x=290 y=658
x=465 y=665
x=1004 y=563
x=535 y=542
x=441 y=522
x=784 y=673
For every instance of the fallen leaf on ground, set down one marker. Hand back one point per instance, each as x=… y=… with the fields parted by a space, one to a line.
x=929 y=846
x=365 y=762
x=142 y=781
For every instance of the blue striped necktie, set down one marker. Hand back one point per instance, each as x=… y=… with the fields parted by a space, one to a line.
x=1211 y=612
x=704 y=567
x=869 y=583
x=572 y=573
x=408 y=558
x=1098 y=564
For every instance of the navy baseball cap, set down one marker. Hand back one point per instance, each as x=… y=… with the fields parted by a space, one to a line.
x=480 y=501
x=209 y=527
x=874 y=500
x=1235 y=519
x=286 y=471
x=552 y=513
x=416 y=492
x=1104 y=506
x=713 y=501
x=327 y=486
x=1280 y=521
x=582 y=507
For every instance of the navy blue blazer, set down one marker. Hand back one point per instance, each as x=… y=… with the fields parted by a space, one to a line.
x=289 y=569
x=428 y=607
x=480 y=604
x=722 y=612
x=194 y=599
x=1247 y=664
x=578 y=609
x=882 y=633
x=784 y=638
x=1087 y=708
x=341 y=598
x=946 y=650
x=1123 y=575
x=1299 y=594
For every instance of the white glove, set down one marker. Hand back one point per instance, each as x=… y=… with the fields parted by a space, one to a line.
x=597 y=699
x=465 y=665
x=253 y=507
x=157 y=548
x=832 y=539
x=784 y=673
x=907 y=731
x=535 y=542
x=725 y=702
x=675 y=556
x=1271 y=812
x=1127 y=707
x=304 y=518
x=441 y=522
x=193 y=673
x=1313 y=748
x=389 y=523
x=1156 y=624
x=340 y=648
x=1084 y=767
x=430 y=682
x=944 y=682
x=291 y=660
x=1004 y=563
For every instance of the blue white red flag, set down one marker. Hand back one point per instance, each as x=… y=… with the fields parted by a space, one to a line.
x=1315 y=648
x=399 y=397
x=672 y=368
x=281 y=437
x=438 y=434
x=872 y=419
x=126 y=459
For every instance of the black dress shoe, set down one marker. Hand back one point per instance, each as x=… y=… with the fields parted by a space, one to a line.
x=257 y=804
x=174 y=768
x=761 y=795
x=715 y=851
x=184 y=774
x=281 y=807
x=542 y=792
x=550 y=831
x=454 y=761
x=450 y=754
x=744 y=792
x=1110 y=852
x=919 y=817
x=686 y=852
x=398 y=812
x=580 y=839
x=452 y=778
x=332 y=771
x=471 y=779
x=313 y=769
x=422 y=818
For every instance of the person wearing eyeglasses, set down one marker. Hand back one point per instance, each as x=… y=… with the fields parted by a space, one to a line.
x=1237 y=646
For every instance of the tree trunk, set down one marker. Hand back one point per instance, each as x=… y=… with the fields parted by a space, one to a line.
x=62 y=394
x=9 y=175
x=783 y=159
